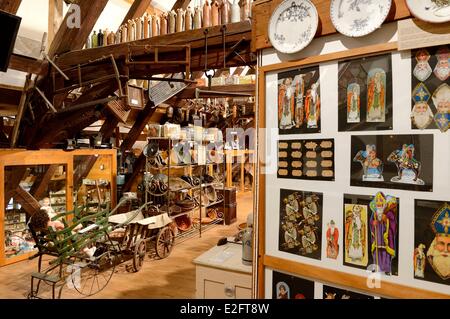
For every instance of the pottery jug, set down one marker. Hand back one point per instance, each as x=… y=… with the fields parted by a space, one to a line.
x=198 y=18
x=225 y=11
x=172 y=21
x=235 y=12
x=246 y=9
x=163 y=27
x=206 y=14
x=215 y=16
x=180 y=20
x=188 y=19
x=105 y=36
x=155 y=26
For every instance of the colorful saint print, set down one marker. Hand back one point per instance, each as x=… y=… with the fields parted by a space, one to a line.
x=372 y=165
x=336 y=293
x=441 y=100
x=442 y=69
x=419 y=261
x=286 y=100
x=355 y=241
x=353 y=103
x=422 y=70
x=299 y=101
x=376 y=95
x=432 y=241
x=408 y=168
x=332 y=240
x=438 y=252
x=290 y=287
x=383 y=231
x=422 y=115
x=301 y=223
x=283 y=291
x=312 y=106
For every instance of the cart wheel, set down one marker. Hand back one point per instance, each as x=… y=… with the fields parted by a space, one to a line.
x=164 y=242
x=89 y=277
x=140 y=250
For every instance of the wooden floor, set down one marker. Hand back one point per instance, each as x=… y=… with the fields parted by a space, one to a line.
x=173 y=277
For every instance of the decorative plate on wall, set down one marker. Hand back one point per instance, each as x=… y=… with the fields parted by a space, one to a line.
x=434 y=11
x=357 y=18
x=293 y=25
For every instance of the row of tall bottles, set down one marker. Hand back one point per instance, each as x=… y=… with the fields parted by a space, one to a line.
x=217 y=12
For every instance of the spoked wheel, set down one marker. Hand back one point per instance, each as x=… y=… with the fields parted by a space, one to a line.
x=89 y=277
x=164 y=242
x=140 y=250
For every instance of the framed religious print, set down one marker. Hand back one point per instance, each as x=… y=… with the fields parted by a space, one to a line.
x=431 y=91
x=392 y=161
x=306 y=159
x=371 y=232
x=291 y=287
x=336 y=293
x=365 y=94
x=432 y=241
x=299 y=101
x=301 y=223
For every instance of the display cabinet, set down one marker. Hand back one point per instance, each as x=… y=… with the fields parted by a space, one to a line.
x=50 y=179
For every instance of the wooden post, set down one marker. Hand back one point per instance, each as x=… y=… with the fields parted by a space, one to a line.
x=55 y=17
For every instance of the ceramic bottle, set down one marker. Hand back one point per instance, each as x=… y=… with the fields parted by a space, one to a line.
x=118 y=36
x=163 y=27
x=206 y=14
x=198 y=18
x=155 y=26
x=235 y=12
x=145 y=30
x=111 y=38
x=138 y=23
x=180 y=20
x=188 y=19
x=124 y=36
x=133 y=30
x=225 y=11
x=246 y=9
x=247 y=242
x=130 y=30
x=172 y=21
x=88 y=43
x=215 y=16
x=105 y=36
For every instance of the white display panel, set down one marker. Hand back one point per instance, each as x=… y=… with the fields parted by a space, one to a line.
x=334 y=191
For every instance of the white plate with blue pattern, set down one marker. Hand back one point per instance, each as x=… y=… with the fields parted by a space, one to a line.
x=357 y=18
x=293 y=25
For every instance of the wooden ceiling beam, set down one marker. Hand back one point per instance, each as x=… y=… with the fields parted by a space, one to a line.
x=143 y=119
x=11 y=6
x=181 y=4
x=27 y=64
x=137 y=9
x=195 y=38
x=70 y=38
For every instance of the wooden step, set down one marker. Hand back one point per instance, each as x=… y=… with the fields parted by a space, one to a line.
x=45 y=277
